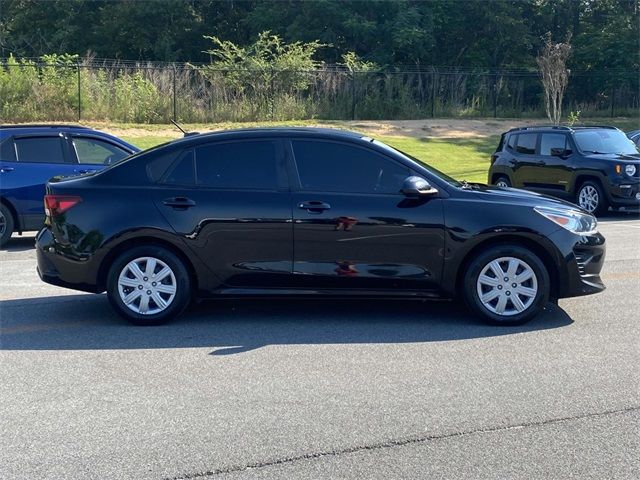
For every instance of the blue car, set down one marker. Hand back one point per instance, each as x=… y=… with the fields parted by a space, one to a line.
x=32 y=154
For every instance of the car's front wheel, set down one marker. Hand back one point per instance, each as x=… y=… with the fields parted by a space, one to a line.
x=506 y=285
x=591 y=198
x=148 y=285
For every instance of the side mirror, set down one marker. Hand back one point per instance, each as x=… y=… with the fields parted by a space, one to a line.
x=415 y=187
x=560 y=152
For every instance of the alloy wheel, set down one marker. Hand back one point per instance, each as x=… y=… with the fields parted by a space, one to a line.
x=502 y=183
x=3 y=223
x=588 y=198
x=147 y=285
x=507 y=286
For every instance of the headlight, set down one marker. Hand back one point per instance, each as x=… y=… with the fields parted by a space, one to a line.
x=572 y=220
x=630 y=170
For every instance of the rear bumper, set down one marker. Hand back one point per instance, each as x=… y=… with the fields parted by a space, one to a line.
x=58 y=270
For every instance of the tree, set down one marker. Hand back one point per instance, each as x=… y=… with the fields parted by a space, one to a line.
x=552 y=63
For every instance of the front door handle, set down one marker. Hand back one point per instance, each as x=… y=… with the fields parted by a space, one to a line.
x=85 y=171
x=179 y=203
x=314 y=206
x=6 y=169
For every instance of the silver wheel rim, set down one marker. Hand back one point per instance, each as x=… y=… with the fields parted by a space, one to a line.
x=147 y=285
x=507 y=286
x=589 y=198
x=3 y=223
x=501 y=183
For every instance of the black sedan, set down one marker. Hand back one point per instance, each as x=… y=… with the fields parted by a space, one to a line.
x=300 y=211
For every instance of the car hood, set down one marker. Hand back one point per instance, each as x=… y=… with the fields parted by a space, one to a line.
x=616 y=157
x=520 y=197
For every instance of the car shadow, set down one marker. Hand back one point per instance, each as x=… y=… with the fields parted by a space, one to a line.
x=619 y=216
x=87 y=322
x=19 y=244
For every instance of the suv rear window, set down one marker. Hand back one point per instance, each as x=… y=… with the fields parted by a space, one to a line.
x=527 y=143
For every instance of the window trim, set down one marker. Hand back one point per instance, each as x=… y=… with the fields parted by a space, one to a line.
x=296 y=184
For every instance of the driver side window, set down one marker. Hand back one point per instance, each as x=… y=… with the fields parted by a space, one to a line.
x=97 y=152
x=327 y=166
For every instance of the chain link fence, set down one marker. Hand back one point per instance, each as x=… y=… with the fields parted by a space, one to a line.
x=157 y=92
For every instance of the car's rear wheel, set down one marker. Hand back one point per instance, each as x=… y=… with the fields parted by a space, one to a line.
x=148 y=285
x=506 y=285
x=591 y=198
x=502 y=181
x=6 y=224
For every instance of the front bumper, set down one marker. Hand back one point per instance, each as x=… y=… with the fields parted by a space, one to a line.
x=583 y=261
x=625 y=193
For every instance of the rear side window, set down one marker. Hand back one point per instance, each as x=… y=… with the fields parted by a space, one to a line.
x=550 y=141
x=527 y=143
x=182 y=171
x=7 y=151
x=241 y=165
x=40 y=150
x=336 y=167
x=511 y=143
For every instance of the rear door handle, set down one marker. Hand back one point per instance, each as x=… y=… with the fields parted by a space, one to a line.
x=85 y=171
x=6 y=169
x=314 y=206
x=179 y=203
x=541 y=162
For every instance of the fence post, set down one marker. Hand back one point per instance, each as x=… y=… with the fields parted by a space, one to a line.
x=79 y=92
x=613 y=99
x=175 y=112
x=272 y=94
x=495 y=96
x=433 y=95
x=353 y=95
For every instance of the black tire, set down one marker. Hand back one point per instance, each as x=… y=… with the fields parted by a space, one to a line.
x=504 y=179
x=533 y=307
x=6 y=224
x=602 y=205
x=180 y=280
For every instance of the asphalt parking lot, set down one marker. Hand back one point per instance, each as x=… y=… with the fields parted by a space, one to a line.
x=320 y=389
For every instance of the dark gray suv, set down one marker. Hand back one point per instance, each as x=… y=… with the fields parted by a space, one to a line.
x=594 y=167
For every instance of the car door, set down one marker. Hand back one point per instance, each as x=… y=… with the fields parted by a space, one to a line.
x=93 y=153
x=526 y=160
x=554 y=176
x=230 y=202
x=38 y=158
x=352 y=227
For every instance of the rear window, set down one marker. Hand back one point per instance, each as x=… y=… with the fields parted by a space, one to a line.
x=40 y=150
x=527 y=143
x=241 y=165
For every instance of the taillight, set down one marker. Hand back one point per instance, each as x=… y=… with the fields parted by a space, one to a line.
x=57 y=204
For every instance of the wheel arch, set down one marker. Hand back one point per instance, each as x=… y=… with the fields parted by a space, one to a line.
x=120 y=248
x=17 y=225
x=545 y=256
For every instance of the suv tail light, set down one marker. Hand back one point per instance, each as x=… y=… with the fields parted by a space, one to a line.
x=56 y=204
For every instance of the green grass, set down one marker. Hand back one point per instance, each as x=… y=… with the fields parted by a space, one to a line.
x=460 y=158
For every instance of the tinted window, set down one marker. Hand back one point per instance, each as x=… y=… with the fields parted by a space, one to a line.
x=182 y=171
x=336 y=167
x=250 y=165
x=604 y=141
x=511 y=143
x=40 y=150
x=7 y=151
x=94 y=151
x=552 y=140
x=527 y=143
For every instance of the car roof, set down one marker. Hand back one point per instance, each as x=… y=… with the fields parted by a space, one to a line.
x=257 y=132
x=538 y=128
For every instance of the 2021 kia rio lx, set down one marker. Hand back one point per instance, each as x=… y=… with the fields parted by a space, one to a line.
x=300 y=211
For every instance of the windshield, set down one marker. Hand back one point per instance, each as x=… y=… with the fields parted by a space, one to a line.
x=604 y=141
x=435 y=171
